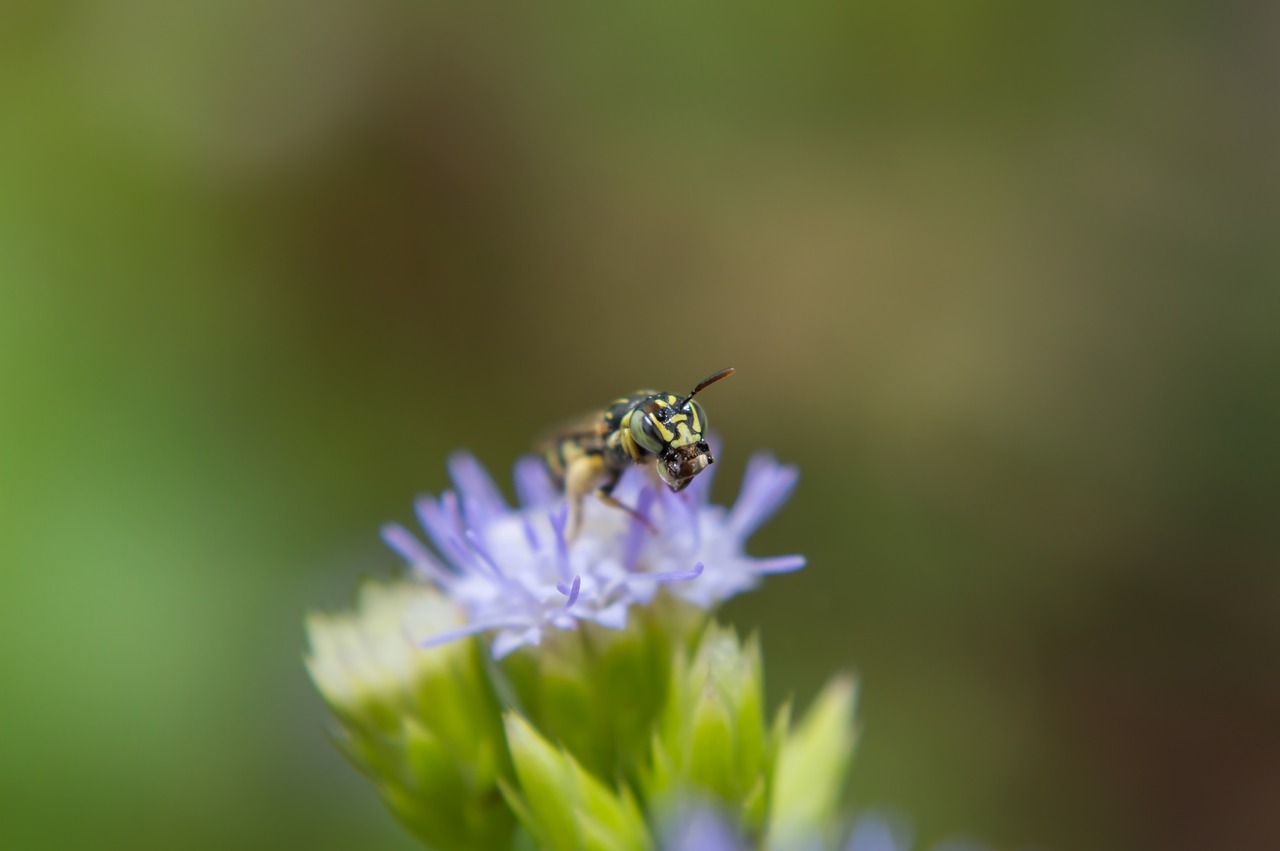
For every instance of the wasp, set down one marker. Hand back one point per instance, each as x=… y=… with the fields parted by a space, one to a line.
x=662 y=430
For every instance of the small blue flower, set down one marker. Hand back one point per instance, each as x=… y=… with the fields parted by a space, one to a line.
x=702 y=828
x=874 y=832
x=513 y=570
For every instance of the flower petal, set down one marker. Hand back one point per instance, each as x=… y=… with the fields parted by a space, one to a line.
x=416 y=554
x=534 y=486
x=481 y=499
x=766 y=485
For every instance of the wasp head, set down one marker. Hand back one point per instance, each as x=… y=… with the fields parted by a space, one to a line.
x=676 y=436
x=672 y=428
x=678 y=465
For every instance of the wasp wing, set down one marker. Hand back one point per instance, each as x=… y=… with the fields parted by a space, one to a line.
x=590 y=425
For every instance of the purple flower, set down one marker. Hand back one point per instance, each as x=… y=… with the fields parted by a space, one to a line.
x=876 y=833
x=514 y=572
x=701 y=828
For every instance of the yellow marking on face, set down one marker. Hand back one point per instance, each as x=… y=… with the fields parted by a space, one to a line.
x=686 y=437
x=667 y=434
x=661 y=404
x=697 y=426
x=678 y=418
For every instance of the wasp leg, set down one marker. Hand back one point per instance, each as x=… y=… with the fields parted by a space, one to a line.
x=580 y=477
x=605 y=494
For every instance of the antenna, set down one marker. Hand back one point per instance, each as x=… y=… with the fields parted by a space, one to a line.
x=704 y=384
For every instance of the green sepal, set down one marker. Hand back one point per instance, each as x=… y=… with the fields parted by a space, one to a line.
x=541 y=774
x=434 y=769
x=811 y=768
x=561 y=804
x=755 y=804
x=711 y=760
x=599 y=691
x=566 y=703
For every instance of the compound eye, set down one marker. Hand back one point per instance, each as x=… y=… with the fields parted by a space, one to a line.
x=645 y=433
x=699 y=418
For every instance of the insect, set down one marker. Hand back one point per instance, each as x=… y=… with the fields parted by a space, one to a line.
x=649 y=427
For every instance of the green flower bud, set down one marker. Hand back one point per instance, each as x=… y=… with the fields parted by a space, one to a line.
x=424 y=724
x=562 y=805
x=711 y=739
x=811 y=768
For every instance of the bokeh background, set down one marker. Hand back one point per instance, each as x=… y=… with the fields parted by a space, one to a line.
x=1002 y=278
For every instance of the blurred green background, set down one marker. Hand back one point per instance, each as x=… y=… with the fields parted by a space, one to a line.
x=1000 y=277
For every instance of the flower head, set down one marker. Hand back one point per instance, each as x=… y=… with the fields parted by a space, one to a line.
x=424 y=724
x=641 y=725
x=514 y=571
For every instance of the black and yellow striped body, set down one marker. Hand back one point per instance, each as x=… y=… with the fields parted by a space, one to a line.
x=663 y=430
